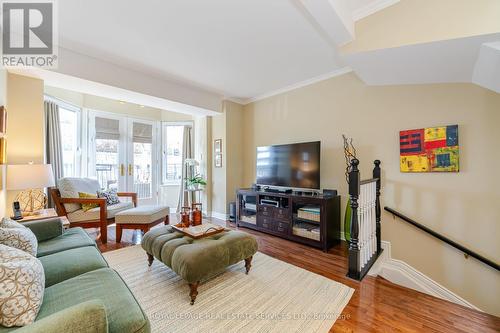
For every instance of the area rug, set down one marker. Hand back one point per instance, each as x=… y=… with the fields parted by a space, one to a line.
x=274 y=297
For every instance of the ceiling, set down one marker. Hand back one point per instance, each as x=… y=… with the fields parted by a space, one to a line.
x=239 y=49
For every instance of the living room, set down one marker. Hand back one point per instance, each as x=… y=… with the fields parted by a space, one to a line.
x=211 y=170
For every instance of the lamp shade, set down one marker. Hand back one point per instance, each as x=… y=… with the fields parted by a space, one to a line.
x=28 y=176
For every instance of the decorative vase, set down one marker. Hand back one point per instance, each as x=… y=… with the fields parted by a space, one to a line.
x=196 y=214
x=185 y=212
x=347 y=221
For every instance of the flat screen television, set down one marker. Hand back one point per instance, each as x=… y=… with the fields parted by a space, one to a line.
x=293 y=165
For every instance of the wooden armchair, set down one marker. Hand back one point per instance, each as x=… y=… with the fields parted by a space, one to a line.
x=99 y=217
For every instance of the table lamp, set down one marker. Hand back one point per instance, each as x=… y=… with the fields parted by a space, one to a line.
x=31 y=179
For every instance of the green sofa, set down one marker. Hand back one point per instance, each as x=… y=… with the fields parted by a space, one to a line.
x=82 y=294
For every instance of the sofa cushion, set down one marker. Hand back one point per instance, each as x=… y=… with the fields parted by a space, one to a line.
x=21 y=287
x=86 y=317
x=94 y=213
x=70 y=239
x=7 y=222
x=69 y=188
x=20 y=238
x=67 y=264
x=123 y=312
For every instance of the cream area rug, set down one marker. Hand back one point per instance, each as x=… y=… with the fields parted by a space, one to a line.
x=274 y=297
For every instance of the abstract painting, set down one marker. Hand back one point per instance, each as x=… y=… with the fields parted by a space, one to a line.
x=433 y=149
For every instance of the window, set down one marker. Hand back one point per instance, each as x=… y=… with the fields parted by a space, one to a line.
x=172 y=137
x=68 y=120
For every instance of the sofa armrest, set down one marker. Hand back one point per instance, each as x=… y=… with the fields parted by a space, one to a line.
x=46 y=229
x=86 y=317
x=129 y=194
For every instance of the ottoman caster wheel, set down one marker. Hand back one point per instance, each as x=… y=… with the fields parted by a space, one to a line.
x=248 y=264
x=193 y=291
x=150 y=259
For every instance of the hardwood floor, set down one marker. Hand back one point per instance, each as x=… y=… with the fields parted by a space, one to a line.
x=377 y=304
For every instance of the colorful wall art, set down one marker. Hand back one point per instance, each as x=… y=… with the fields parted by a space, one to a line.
x=433 y=149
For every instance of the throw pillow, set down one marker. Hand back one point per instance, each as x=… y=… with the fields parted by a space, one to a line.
x=20 y=238
x=88 y=206
x=7 y=222
x=110 y=195
x=21 y=287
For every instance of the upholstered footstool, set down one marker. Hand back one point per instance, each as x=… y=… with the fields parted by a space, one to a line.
x=142 y=217
x=196 y=260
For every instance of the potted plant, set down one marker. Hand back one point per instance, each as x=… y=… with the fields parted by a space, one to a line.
x=193 y=183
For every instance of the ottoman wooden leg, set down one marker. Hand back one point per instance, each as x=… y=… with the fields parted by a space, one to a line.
x=193 y=291
x=150 y=259
x=248 y=264
x=118 y=233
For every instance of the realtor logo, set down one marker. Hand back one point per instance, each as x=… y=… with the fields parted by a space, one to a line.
x=28 y=34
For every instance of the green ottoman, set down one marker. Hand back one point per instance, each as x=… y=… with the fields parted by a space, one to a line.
x=197 y=260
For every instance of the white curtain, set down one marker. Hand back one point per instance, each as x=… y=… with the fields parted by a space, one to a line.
x=185 y=197
x=53 y=149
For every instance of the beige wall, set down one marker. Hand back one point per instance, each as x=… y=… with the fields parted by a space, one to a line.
x=421 y=21
x=463 y=206
x=25 y=142
x=218 y=184
x=226 y=180
x=234 y=150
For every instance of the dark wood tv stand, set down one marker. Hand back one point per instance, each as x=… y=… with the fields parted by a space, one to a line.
x=283 y=220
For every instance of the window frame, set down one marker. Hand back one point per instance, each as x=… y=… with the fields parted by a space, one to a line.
x=164 y=163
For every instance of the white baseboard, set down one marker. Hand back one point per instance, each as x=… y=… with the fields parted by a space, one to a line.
x=399 y=272
x=220 y=216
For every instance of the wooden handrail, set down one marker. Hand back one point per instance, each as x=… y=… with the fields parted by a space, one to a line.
x=444 y=238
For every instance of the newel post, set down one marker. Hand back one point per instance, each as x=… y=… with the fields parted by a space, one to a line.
x=354 y=189
x=378 y=212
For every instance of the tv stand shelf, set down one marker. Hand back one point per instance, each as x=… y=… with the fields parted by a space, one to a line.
x=279 y=217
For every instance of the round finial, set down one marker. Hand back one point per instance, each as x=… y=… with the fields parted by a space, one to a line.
x=355 y=161
x=377 y=162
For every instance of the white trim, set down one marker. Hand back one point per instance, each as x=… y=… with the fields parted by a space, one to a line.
x=301 y=84
x=372 y=8
x=220 y=216
x=236 y=100
x=62 y=103
x=399 y=272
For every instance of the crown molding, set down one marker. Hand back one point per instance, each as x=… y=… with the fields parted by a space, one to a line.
x=301 y=84
x=372 y=8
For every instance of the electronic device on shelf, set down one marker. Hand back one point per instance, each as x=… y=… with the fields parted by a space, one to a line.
x=277 y=190
x=269 y=202
x=329 y=193
x=16 y=208
x=250 y=206
x=292 y=165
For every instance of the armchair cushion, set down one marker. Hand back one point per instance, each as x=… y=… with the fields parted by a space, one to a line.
x=93 y=214
x=70 y=239
x=111 y=196
x=69 y=188
x=46 y=229
x=88 y=206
